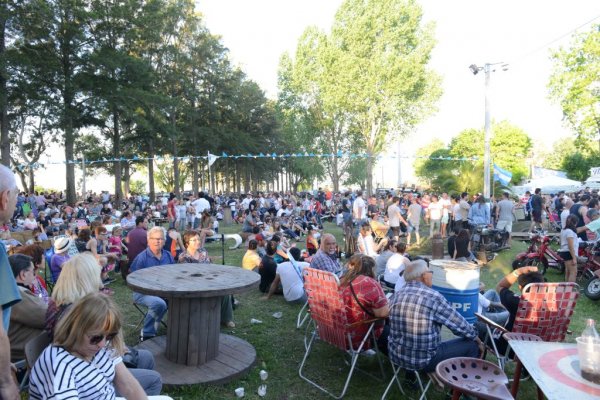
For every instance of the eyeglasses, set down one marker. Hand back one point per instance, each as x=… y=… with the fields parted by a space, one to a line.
x=95 y=339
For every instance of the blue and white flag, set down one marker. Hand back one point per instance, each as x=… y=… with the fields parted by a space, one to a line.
x=501 y=175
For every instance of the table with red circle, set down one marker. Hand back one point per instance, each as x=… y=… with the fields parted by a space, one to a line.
x=194 y=350
x=555 y=369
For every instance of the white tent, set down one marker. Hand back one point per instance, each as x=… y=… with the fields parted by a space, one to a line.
x=553 y=184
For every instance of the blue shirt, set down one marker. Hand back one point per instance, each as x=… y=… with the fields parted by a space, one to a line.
x=9 y=292
x=147 y=259
x=479 y=214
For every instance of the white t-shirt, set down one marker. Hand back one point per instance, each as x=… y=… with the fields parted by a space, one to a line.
x=563 y=217
x=293 y=286
x=394 y=266
x=393 y=213
x=565 y=234
x=456 y=212
x=367 y=244
x=446 y=206
x=435 y=210
x=359 y=206
x=200 y=205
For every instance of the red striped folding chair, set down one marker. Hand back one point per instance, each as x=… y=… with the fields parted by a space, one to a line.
x=328 y=314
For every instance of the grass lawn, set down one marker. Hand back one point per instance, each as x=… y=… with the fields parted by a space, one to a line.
x=280 y=348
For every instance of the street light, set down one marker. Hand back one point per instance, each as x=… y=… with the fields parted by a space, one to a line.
x=487 y=68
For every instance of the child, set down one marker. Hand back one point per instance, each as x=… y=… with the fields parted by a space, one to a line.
x=115 y=242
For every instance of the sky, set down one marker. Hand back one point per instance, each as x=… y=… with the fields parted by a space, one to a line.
x=520 y=33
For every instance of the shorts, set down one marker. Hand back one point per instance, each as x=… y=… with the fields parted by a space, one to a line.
x=445 y=219
x=565 y=255
x=502 y=224
x=537 y=216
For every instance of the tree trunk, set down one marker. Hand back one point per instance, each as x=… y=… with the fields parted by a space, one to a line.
x=195 y=175
x=4 y=139
x=369 y=173
x=117 y=155
x=152 y=194
x=176 y=174
x=246 y=179
x=31 y=180
x=69 y=155
x=126 y=179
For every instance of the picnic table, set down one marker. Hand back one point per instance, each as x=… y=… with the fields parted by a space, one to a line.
x=555 y=369
x=194 y=351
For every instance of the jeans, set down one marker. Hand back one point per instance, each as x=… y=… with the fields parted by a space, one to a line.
x=149 y=379
x=226 y=309
x=434 y=226
x=460 y=347
x=498 y=315
x=156 y=311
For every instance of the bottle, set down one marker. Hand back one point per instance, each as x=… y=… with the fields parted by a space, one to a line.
x=588 y=357
x=590 y=333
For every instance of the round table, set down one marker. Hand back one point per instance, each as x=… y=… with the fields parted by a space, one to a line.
x=194 y=341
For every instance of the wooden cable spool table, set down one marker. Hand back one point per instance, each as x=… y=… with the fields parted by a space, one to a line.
x=194 y=350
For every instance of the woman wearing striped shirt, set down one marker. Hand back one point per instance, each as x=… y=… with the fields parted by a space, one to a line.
x=80 y=363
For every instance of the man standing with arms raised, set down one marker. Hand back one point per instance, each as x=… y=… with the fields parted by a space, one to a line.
x=9 y=292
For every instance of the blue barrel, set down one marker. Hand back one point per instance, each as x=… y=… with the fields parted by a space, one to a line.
x=458 y=282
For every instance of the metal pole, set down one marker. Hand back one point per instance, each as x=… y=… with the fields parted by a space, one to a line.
x=486 y=155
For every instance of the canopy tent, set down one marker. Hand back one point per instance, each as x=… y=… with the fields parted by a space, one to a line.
x=553 y=184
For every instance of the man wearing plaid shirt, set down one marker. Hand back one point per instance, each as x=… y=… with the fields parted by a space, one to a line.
x=416 y=318
x=326 y=258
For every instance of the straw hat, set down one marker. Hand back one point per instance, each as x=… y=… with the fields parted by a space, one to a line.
x=61 y=245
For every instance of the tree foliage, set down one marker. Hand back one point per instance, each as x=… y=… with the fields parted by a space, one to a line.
x=574 y=84
x=509 y=148
x=364 y=81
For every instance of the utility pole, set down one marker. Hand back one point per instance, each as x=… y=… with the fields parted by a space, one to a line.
x=487 y=68
x=488 y=134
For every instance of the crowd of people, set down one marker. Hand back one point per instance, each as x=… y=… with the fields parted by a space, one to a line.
x=284 y=234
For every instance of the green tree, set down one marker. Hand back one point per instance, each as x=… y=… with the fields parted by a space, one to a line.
x=560 y=149
x=509 y=147
x=575 y=85
x=426 y=168
x=380 y=56
x=53 y=46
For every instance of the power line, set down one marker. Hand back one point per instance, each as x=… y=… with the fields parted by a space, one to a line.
x=542 y=47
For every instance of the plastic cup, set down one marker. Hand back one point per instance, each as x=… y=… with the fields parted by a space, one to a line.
x=263 y=374
x=589 y=358
x=239 y=392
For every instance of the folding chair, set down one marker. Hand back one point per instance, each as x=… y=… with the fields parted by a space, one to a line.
x=544 y=310
x=33 y=349
x=328 y=314
x=141 y=321
x=397 y=369
x=303 y=315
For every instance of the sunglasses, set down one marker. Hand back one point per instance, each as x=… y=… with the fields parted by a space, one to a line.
x=95 y=339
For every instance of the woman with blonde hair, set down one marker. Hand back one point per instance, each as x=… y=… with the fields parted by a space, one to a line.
x=81 y=278
x=84 y=360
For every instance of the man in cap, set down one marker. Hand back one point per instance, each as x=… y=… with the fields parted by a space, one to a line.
x=9 y=292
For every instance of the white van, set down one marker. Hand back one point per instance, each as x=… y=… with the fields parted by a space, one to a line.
x=593 y=182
